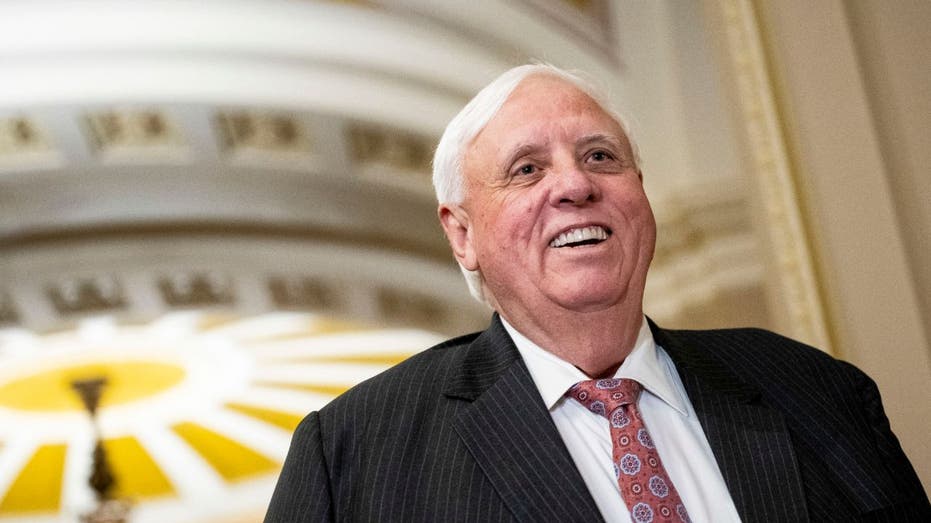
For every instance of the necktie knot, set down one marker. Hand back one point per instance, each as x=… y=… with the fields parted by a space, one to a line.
x=605 y=395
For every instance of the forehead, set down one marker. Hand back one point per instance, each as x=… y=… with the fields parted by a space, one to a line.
x=546 y=93
x=541 y=103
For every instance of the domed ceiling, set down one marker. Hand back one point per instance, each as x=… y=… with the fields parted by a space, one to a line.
x=195 y=414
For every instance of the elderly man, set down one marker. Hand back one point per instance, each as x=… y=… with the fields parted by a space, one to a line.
x=572 y=406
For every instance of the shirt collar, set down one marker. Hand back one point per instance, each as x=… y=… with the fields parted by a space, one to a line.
x=553 y=375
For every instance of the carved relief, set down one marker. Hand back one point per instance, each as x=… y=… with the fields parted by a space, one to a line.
x=87 y=295
x=196 y=290
x=133 y=132
x=23 y=143
x=255 y=131
x=302 y=293
x=393 y=148
x=18 y=135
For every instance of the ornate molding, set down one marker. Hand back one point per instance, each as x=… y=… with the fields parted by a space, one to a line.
x=795 y=278
x=706 y=250
x=199 y=289
x=25 y=144
x=257 y=132
x=393 y=148
x=132 y=131
x=303 y=293
x=136 y=279
x=87 y=295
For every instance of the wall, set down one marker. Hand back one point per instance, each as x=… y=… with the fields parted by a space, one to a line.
x=847 y=76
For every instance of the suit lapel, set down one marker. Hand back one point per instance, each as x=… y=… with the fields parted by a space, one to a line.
x=750 y=441
x=510 y=433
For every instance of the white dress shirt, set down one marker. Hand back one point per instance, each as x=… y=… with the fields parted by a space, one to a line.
x=667 y=414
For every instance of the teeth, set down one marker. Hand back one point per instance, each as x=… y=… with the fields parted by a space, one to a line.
x=580 y=235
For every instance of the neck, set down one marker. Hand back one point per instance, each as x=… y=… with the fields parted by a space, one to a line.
x=595 y=342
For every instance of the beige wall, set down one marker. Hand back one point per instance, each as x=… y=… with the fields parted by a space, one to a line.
x=894 y=54
x=853 y=96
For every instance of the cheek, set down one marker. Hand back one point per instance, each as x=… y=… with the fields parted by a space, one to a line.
x=509 y=223
x=514 y=219
x=640 y=212
x=633 y=201
x=529 y=208
x=637 y=217
x=645 y=223
x=521 y=225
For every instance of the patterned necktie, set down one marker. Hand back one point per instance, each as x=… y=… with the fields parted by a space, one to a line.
x=645 y=486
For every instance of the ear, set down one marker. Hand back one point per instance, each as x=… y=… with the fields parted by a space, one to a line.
x=458 y=228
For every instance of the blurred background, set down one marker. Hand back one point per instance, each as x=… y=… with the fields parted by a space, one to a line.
x=217 y=215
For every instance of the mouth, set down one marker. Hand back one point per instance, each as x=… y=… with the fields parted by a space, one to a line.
x=581 y=236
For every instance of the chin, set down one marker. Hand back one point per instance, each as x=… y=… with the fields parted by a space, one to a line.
x=590 y=300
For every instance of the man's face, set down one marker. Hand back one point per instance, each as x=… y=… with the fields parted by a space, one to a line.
x=554 y=210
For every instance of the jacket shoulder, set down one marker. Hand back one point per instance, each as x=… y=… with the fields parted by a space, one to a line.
x=783 y=369
x=753 y=347
x=834 y=410
x=422 y=374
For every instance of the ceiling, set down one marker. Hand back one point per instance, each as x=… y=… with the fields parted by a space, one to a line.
x=196 y=414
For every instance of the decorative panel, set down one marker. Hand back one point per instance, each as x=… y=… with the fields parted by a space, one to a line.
x=393 y=148
x=24 y=144
x=87 y=295
x=196 y=290
x=135 y=135
x=254 y=134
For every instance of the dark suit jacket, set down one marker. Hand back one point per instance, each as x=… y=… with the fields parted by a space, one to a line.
x=460 y=433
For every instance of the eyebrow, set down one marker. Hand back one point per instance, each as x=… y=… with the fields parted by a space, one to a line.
x=521 y=150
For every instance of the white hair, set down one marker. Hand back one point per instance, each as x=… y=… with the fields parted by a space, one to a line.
x=448 y=179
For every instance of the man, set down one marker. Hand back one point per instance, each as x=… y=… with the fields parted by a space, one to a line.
x=572 y=406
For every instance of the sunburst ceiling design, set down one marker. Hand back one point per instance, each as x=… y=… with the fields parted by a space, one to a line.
x=197 y=412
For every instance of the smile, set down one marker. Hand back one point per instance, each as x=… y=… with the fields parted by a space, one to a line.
x=581 y=236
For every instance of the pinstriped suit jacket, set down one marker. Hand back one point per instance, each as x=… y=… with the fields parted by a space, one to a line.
x=460 y=433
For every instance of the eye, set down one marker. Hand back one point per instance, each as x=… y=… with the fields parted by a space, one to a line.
x=600 y=156
x=527 y=169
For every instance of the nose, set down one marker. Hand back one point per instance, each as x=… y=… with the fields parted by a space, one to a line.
x=572 y=185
